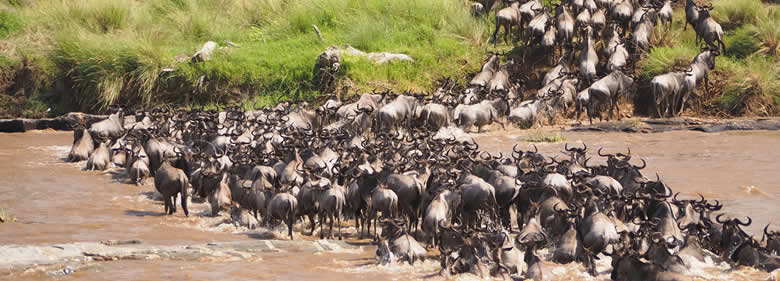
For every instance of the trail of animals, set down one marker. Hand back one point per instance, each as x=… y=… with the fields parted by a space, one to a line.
x=404 y=168
x=419 y=193
x=587 y=78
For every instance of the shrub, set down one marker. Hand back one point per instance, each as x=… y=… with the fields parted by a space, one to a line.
x=751 y=86
x=733 y=13
x=741 y=42
x=10 y=23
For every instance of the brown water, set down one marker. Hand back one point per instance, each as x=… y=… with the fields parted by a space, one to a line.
x=56 y=202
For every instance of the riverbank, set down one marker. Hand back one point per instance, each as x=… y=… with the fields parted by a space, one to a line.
x=630 y=125
x=62 y=56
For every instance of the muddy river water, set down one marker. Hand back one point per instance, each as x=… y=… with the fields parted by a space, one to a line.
x=56 y=202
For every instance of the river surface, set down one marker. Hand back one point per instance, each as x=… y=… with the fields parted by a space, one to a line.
x=56 y=202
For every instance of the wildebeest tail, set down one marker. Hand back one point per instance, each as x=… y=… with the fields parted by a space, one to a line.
x=184 y=184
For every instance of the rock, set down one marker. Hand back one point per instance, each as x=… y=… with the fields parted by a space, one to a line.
x=204 y=54
x=329 y=61
x=384 y=57
x=65 y=122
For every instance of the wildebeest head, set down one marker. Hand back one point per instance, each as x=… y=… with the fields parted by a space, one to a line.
x=706 y=57
x=732 y=236
x=772 y=240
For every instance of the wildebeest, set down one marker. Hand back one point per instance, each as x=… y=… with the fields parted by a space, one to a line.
x=667 y=88
x=709 y=30
x=100 y=158
x=481 y=114
x=282 y=207
x=507 y=17
x=485 y=74
x=83 y=146
x=171 y=179
x=110 y=128
x=608 y=90
x=402 y=109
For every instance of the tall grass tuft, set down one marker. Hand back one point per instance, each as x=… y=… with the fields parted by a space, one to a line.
x=753 y=86
x=733 y=13
x=665 y=59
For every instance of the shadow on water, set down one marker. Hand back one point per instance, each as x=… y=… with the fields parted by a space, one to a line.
x=138 y=213
x=264 y=235
x=353 y=243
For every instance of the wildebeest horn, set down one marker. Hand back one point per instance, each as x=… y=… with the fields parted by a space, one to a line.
x=644 y=164
x=766 y=234
x=603 y=155
x=715 y=207
x=742 y=223
x=718 y=219
x=625 y=155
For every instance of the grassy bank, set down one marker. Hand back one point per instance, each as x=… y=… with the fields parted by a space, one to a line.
x=96 y=52
x=746 y=79
x=83 y=55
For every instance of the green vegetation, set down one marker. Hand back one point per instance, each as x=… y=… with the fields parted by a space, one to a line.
x=114 y=51
x=10 y=23
x=86 y=54
x=539 y=135
x=747 y=73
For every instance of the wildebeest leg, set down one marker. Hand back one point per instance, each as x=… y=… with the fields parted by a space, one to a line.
x=167 y=200
x=682 y=104
x=494 y=34
x=617 y=107
x=338 y=222
x=313 y=223
x=611 y=110
x=507 y=30
x=330 y=232
x=360 y=223
x=374 y=217
x=289 y=221
x=173 y=203
x=184 y=205
x=322 y=223
x=590 y=110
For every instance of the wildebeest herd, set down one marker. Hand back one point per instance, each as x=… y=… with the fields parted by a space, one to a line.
x=400 y=163
x=586 y=75
x=377 y=162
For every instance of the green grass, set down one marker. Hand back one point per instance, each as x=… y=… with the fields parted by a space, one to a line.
x=10 y=23
x=731 y=14
x=748 y=70
x=754 y=84
x=113 y=51
x=87 y=54
x=538 y=135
